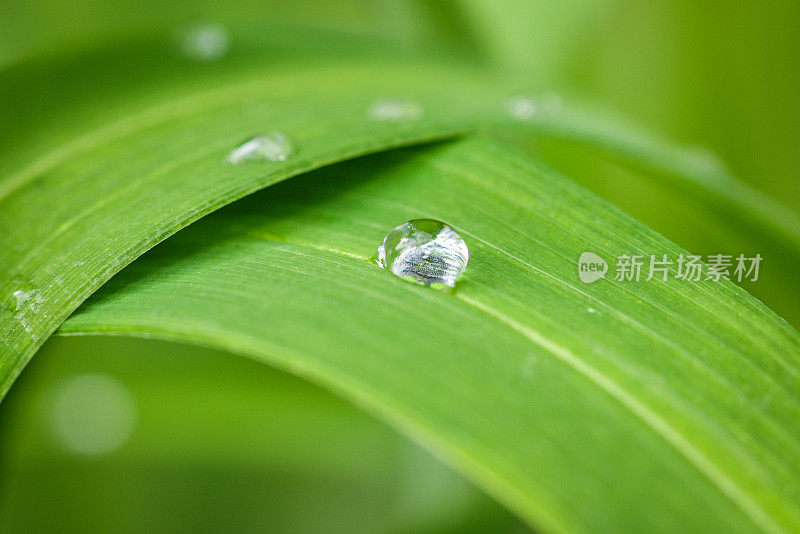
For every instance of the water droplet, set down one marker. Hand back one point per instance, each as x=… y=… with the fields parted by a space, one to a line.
x=203 y=42
x=522 y=107
x=271 y=146
x=19 y=295
x=425 y=251
x=22 y=297
x=704 y=160
x=93 y=414
x=395 y=110
x=525 y=107
x=591 y=310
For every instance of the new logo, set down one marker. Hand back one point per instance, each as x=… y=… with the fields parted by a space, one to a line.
x=591 y=267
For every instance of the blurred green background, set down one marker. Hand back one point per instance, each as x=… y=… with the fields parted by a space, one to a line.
x=720 y=75
x=121 y=435
x=259 y=450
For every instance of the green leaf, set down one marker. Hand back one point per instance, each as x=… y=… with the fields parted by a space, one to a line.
x=611 y=406
x=90 y=205
x=51 y=27
x=106 y=196
x=700 y=205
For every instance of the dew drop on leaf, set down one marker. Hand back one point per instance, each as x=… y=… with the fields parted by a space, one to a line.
x=395 y=110
x=271 y=146
x=425 y=251
x=18 y=296
x=525 y=107
x=22 y=297
x=204 y=41
x=704 y=160
x=522 y=107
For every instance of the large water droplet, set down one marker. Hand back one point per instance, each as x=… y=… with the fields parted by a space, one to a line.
x=525 y=107
x=395 y=110
x=203 y=42
x=426 y=251
x=271 y=146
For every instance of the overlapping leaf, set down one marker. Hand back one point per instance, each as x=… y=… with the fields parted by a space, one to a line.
x=658 y=405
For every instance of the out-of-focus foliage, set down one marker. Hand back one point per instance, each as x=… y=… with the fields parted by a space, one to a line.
x=722 y=75
x=259 y=450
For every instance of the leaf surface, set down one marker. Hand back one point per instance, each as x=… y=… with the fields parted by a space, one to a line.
x=606 y=406
x=76 y=215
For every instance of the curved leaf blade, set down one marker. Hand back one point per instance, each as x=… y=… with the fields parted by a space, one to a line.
x=657 y=405
x=75 y=216
x=154 y=171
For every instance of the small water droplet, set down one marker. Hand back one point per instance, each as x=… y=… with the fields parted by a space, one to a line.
x=22 y=297
x=525 y=107
x=19 y=295
x=591 y=310
x=522 y=107
x=395 y=110
x=704 y=160
x=204 y=41
x=425 y=251
x=271 y=146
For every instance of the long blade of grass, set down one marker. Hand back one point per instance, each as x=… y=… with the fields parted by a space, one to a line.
x=76 y=213
x=73 y=217
x=612 y=406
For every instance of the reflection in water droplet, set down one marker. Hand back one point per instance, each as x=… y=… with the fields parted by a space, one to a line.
x=524 y=107
x=395 y=110
x=204 y=42
x=426 y=251
x=93 y=414
x=272 y=146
